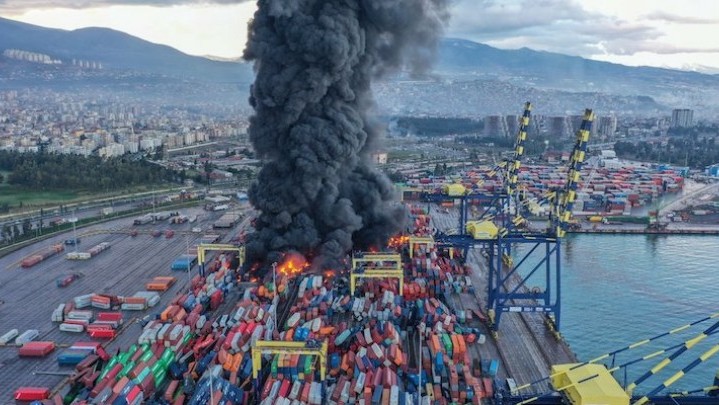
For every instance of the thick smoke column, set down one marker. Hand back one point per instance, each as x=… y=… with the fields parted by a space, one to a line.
x=314 y=60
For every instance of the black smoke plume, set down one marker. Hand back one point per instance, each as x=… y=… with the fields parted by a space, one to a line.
x=318 y=193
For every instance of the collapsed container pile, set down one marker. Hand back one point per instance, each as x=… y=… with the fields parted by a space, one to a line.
x=379 y=345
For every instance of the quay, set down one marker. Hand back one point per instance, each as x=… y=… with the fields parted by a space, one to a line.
x=525 y=344
x=644 y=231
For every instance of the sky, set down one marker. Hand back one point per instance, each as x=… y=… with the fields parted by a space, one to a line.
x=664 y=33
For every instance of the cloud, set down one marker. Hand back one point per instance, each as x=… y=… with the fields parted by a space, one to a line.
x=487 y=17
x=617 y=30
x=564 y=26
x=659 y=48
x=679 y=19
x=15 y=6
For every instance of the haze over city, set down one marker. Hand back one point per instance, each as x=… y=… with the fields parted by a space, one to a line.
x=661 y=33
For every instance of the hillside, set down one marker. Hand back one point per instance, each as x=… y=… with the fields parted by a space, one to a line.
x=117 y=50
x=549 y=76
x=526 y=67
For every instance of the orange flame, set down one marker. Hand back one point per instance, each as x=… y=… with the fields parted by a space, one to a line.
x=292 y=264
x=398 y=241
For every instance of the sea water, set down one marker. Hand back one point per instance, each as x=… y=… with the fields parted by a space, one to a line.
x=621 y=289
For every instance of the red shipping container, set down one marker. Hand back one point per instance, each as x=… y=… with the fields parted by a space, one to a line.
x=36 y=349
x=32 y=393
x=110 y=316
x=102 y=333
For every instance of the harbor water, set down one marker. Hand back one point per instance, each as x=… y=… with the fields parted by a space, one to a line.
x=621 y=289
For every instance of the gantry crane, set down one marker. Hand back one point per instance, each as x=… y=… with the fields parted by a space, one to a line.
x=590 y=382
x=309 y=348
x=497 y=217
x=544 y=249
x=376 y=265
x=203 y=248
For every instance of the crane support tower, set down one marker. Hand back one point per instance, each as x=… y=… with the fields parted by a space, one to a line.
x=376 y=273
x=303 y=348
x=509 y=288
x=498 y=203
x=202 y=250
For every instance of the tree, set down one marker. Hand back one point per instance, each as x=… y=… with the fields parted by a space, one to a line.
x=159 y=152
x=7 y=232
x=26 y=226
x=396 y=177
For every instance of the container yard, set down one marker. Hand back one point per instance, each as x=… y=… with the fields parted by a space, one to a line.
x=404 y=325
x=30 y=295
x=382 y=344
x=610 y=191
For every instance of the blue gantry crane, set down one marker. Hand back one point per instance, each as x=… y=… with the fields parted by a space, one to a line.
x=509 y=278
x=498 y=204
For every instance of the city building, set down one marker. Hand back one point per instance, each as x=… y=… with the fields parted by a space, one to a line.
x=559 y=127
x=512 y=125
x=495 y=125
x=682 y=118
x=607 y=127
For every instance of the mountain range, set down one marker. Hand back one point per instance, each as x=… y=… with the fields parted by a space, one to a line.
x=458 y=60
x=117 y=50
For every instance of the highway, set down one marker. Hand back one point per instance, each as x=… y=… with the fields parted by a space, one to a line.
x=88 y=209
x=30 y=295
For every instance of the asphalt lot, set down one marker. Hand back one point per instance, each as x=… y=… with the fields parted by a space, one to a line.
x=30 y=295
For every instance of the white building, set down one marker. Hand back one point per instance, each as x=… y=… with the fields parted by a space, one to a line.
x=113 y=149
x=380 y=158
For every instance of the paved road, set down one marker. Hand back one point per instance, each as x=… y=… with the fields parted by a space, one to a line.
x=690 y=198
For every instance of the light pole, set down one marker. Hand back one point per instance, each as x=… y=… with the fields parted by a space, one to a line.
x=274 y=290
x=74 y=231
x=419 y=367
x=189 y=263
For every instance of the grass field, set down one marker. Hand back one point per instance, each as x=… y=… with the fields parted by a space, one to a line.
x=13 y=195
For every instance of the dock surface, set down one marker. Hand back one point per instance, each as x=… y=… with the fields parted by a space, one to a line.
x=524 y=344
x=30 y=294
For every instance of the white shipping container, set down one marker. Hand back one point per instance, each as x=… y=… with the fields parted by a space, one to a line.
x=163 y=331
x=6 y=338
x=80 y=315
x=151 y=302
x=58 y=314
x=83 y=301
x=72 y=327
x=100 y=305
x=133 y=307
x=27 y=336
x=295 y=391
